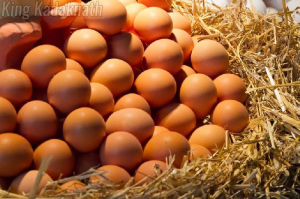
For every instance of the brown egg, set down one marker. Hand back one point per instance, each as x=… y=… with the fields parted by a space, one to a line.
x=210 y=58
x=183 y=73
x=157 y=86
x=121 y=149
x=106 y=16
x=86 y=46
x=180 y=22
x=164 y=4
x=102 y=100
x=15 y=86
x=115 y=74
x=63 y=161
x=84 y=129
x=42 y=63
x=184 y=40
x=198 y=151
x=72 y=186
x=150 y=170
x=132 y=11
x=127 y=2
x=160 y=146
x=69 y=90
x=161 y=24
x=159 y=130
x=15 y=154
x=37 y=122
x=85 y=161
x=74 y=65
x=132 y=120
x=25 y=182
x=176 y=117
x=8 y=116
x=114 y=176
x=199 y=93
x=40 y=94
x=165 y=54
x=237 y=116
x=230 y=87
x=4 y=183
x=132 y=100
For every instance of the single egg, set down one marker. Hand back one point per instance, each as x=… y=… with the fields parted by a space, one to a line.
x=182 y=74
x=115 y=74
x=39 y=94
x=72 y=186
x=42 y=63
x=121 y=149
x=37 y=122
x=165 y=54
x=63 y=161
x=256 y=6
x=237 y=116
x=157 y=86
x=161 y=24
x=127 y=2
x=86 y=46
x=74 y=65
x=159 y=130
x=180 y=22
x=15 y=86
x=185 y=41
x=86 y=161
x=199 y=93
x=210 y=58
x=149 y=170
x=198 y=151
x=132 y=100
x=15 y=154
x=167 y=144
x=69 y=90
x=163 y=4
x=8 y=116
x=132 y=11
x=101 y=100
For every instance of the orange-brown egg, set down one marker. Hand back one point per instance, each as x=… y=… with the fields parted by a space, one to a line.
x=198 y=151
x=210 y=58
x=86 y=46
x=15 y=86
x=237 y=116
x=37 y=122
x=157 y=86
x=102 y=100
x=132 y=11
x=8 y=116
x=115 y=74
x=152 y=24
x=165 y=144
x=42 y=63
x=199 y=93
x=183 y=73
x=15 y=154
x=105 y=16
x=63 y=161
x=230 y=87
x=127 y=47
x=72 y=186
x=86 y=161
x=127 y=2
x=69 y=90
x=149 y=170
x=180 y=22
x=132 y=120
x=159 y=130
x=4 y=183
x=74 y=65
x=165 y=54
x=164 y=4
x=132 y=100
x=121 y=149
x=184 y=40
x=25 y=182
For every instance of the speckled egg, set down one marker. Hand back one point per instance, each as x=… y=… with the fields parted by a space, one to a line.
x=198 y=151
x=86 y=161
x=132 y=11
x=185 y=41
x=74 y=65
x=8 y=116
x=132 y=100
x=180 y=22
x=149 y=170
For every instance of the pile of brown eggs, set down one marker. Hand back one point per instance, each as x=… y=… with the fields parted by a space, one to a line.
x=130 y=88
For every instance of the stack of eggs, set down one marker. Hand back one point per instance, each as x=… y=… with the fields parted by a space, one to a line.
x=125 y=93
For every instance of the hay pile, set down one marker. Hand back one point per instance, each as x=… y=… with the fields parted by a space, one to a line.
x=264 y=161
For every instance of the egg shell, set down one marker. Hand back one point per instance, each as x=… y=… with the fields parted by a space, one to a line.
x=15 y=154
x=86 y=46
x=42 y=63
x=69 y=90
x=114 y=176
x=121 y=149
x=163 y=4
x=180 y=22
x=72 y=186
x=127 y=2
x=106 y=16
x=8 y=116
x=37 y=122
x=199 y=93
x=115 y=74
x=132 y=11
x=209 y=136
x=256 y=6
x=5 y=183
x=58 y=3
x=210 y=58
x=86 y=161
x=159 y=129
x=185 y=41
x=101 y=100
x=183 y=73
x=84 y=129
x=165 y=144
x=25 y=182
x=63 y=161
x=74 y=65
x=132 y=120
x=198 y=151
x=132 y=100
x=150 y=170
x=237 y=116
x=15 y=86
x=152 y=24
x=39 y=94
